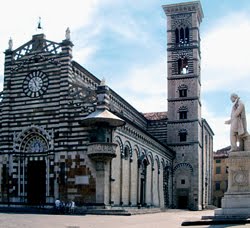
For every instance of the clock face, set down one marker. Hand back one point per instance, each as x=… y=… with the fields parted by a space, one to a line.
x=35 y=84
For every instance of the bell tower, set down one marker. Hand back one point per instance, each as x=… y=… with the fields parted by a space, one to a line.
x=184 y=105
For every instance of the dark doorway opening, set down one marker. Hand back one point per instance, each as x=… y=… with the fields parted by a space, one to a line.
x=182 y=202
x=36 y=182
x=219 y=202
x=142 y=192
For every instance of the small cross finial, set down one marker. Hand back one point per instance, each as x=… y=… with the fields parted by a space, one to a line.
x=39 y=24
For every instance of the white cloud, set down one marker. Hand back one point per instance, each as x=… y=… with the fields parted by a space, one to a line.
x=147 y=78
x=153 y=103
x=221 y=130
x=225 y=68
x=84 y=43
x=83 y=54
x=145 y=87
x=55 y=15
x=225 y=54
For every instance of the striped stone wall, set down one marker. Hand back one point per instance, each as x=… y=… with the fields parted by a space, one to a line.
x=45 y=125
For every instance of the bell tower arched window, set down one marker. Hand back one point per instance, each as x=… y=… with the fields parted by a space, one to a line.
x=177 y=39
x=183 y=113
x=183 y=65
x=186 y=35
x=183 y=135
x=179 y=65
x=183 y=90
x=182 y=36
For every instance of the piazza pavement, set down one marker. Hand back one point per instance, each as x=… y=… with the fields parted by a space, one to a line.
x=169 y=219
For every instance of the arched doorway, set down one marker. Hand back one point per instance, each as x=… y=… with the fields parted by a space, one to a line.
x=183 y=185
x=33 y=159
x=35 y=146
x=143 y=162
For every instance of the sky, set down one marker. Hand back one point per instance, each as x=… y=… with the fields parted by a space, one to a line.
x=124 y=41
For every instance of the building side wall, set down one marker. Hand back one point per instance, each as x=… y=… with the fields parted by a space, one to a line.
x=127 y=174
x=220 y=179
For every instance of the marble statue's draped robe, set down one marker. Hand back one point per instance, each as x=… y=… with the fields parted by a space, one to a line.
x=238 y=118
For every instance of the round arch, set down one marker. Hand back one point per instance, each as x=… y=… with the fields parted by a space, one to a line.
x=120 y=144
x=150 y=155
x=183 y=165
x=33 y=139
x=127 y=144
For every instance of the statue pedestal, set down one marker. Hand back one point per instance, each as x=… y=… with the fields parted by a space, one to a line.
x=236 y=201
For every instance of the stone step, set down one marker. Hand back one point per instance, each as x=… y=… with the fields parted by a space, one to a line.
x=126 y=211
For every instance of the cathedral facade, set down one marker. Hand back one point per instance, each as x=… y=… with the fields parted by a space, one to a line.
x=66 y=135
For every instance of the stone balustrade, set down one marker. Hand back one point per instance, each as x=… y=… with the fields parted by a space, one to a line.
x=101 y=151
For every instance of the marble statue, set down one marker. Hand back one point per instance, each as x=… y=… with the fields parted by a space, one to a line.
x=10 y=44
x=238 y=130
x=103 y=82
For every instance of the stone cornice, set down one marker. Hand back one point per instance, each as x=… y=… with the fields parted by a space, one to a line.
x=183 y=121
x=185 y=7
x=179 y=144
x=177 y=77
x=181 y=99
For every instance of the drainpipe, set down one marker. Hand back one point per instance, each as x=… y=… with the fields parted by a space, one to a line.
x=172 y=184
x=202 y=163
x=110 y=182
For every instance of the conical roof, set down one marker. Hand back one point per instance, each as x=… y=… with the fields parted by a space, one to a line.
x=102 y=117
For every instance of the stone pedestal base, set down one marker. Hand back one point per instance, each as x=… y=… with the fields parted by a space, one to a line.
x=232 y=212
x=236 y=202
x=235 y=205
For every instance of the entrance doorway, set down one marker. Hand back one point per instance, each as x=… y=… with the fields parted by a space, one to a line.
x=182 y=202
x=36 y=182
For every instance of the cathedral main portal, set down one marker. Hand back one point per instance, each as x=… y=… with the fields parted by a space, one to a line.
x=33 y=179
x=36 y=182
